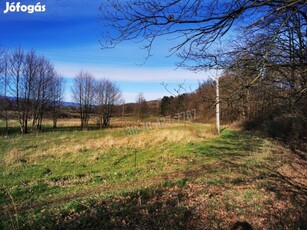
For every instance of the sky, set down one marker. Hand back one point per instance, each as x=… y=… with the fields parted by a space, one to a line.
x=68 y=34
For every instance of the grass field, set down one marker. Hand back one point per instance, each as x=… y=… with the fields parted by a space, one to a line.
x=177 y=176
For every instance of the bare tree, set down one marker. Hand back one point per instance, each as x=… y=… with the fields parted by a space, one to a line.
x=41 y=96
x=19 y=87
x=141 y=106
x=108 y=95
x=25 y=86
x=194 y=25
x=83 y=92
x=28 y=79
x=198 y=27
x=265 y=67
x=4 y=88
x=56 y=97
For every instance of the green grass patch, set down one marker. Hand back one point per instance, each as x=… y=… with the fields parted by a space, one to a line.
x=72 y=179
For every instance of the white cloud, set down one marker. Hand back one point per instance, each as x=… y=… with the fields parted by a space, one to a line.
x=137 y=74
x=138 y=79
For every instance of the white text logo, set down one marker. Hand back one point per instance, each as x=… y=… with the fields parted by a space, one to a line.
x=18 y=7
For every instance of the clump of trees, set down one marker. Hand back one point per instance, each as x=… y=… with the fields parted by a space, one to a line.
x=31 y=85
x=31 y=89
x=95 y=97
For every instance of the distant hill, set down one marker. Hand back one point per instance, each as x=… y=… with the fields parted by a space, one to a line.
x=70 y=104
x=65 y=103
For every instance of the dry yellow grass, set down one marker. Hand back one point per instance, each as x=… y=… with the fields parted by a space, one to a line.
x=13 y=156
x=149 y=138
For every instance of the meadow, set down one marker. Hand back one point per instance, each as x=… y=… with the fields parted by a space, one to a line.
x=179 y=175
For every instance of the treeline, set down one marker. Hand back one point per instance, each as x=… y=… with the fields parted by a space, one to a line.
x=262 y=82
x=258 y=47
x=276 y=104
x=30 y=87
x=31 y=90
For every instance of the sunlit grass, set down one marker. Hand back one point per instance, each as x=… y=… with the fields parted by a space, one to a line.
x=72 y=158
x=57 y=170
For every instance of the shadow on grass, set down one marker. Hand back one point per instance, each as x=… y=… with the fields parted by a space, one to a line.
x=235 y=153
x=143 y=209
x=289 y=211
x=292 y=188
x=11 y=131
x=230 y=144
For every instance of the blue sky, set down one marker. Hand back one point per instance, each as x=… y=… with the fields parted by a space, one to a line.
x=68 y=33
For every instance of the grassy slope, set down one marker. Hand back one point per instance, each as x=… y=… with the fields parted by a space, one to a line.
x=176 y=176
